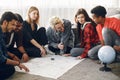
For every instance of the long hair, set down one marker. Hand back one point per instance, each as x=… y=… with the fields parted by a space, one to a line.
x=32 y=8
x=87 y=18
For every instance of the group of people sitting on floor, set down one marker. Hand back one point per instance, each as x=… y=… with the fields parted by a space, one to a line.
x=30 y=40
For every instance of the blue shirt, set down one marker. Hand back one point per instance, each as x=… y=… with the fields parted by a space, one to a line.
x=3 y=50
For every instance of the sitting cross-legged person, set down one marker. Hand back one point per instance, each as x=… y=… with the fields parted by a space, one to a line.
x=60 y=36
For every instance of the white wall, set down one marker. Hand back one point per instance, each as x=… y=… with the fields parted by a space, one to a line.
x=63 y=8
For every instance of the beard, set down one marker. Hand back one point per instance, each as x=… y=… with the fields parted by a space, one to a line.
x=8 y=29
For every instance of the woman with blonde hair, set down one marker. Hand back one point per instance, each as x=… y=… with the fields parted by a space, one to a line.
x=33 y=38
x=60 y=36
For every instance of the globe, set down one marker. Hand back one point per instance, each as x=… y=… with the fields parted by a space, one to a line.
x=106 y=54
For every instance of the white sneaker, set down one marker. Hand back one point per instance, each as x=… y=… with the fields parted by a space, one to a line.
x=48 y=51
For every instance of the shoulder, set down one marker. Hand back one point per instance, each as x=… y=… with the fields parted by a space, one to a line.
x=87 y=25
x=49 y=30
x=112 y=20
x=25 y=23
x=66 y=22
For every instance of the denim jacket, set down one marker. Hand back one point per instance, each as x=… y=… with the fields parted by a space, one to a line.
x=3 y=50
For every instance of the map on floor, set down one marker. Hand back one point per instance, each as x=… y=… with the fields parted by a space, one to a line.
x=52 y=66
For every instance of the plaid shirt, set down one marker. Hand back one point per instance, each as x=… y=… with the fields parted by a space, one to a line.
x=88 y=38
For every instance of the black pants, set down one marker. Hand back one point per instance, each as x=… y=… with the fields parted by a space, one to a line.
x=15 y=51
x=6 y=71
x=31 y=51
x=41 y=36
x=57 y=51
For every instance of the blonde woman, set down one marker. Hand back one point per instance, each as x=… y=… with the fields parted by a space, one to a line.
x=34 y=39
x=60 y=36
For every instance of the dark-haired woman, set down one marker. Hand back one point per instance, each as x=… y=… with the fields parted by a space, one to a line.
x=87 y=33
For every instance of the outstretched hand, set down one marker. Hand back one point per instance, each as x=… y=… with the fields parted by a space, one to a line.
x=79 y=57
x=21 y=66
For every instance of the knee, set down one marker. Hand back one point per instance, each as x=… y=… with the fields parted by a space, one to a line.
x=73 y=53
x=35 y=53
x=89 y=53
x=38 y=53
x=106 y=31
x=117 y=42
x=7 y=71
x=12 y=70
x=92 y=55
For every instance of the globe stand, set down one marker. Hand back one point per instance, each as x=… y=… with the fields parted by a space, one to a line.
x=105 y=68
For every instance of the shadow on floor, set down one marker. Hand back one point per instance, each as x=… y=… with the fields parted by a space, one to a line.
x=115 y=68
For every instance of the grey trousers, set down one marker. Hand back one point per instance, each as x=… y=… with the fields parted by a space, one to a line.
x=76 y=52
x=110 y=38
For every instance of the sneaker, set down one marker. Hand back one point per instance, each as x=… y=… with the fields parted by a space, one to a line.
x=48 y=51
